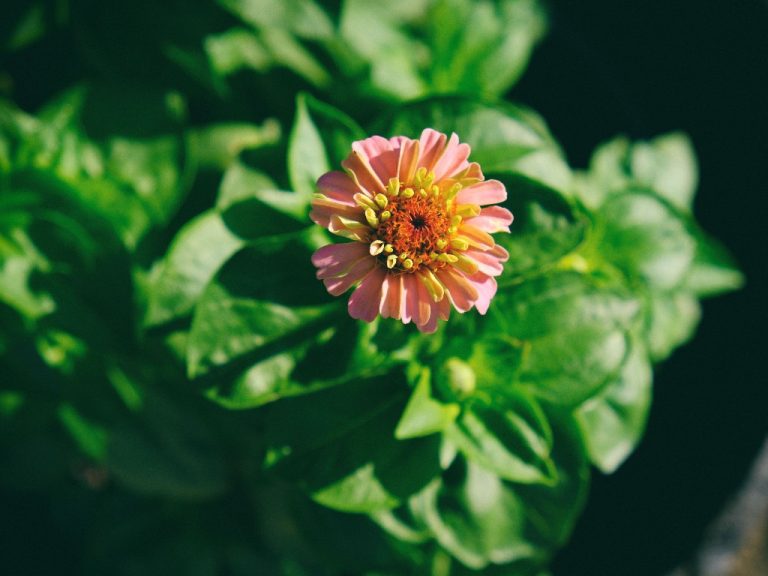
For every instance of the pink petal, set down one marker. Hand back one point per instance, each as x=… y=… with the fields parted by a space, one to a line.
x=337 y=286
x=460 y=289
x=338 y=186
x=420 y=303
x=482 y=193
x=348 y=228
x=431 y=146
x=366 y=299
x=323 y=209
x=392 y=295
x=409 y=297
x=409 y=158
x=492 y=219
x=488 y=262
x=382 y=156
x=486 y=290
x=360 y=168
x=453 y=159
x=335 y=259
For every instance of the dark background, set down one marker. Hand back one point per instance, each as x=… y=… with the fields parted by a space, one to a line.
x=642 y=69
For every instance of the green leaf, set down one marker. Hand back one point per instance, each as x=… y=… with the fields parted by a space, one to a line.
x=508 y=435
x=339 y=444
x=90 y=437
x=645 y=238
x=504 y=137
x=424 y=415
x=671 y=320
x=571 y=331
x=487 y=57
x=195 y=255
x=666 y=165
x=714 y=270
x=378 y=33
x=265 y=292
x=321 y=138
x=613 y=422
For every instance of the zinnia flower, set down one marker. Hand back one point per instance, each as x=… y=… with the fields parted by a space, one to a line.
x=418 y=215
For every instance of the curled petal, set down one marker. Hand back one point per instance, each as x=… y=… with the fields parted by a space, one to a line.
x=431 y=145
x=338 y=186
x=453 y=159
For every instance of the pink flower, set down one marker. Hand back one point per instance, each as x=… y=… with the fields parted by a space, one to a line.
x=419 y=217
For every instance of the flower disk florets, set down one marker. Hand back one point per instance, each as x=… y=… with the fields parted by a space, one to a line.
x=422 y=236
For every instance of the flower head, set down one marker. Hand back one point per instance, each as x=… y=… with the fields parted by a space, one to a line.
x=418 y=215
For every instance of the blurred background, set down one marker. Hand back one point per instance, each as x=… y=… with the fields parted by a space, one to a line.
x=605 y=68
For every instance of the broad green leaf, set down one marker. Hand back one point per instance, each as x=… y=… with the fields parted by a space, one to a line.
x=265 y=292
x=571 y=332
x=195 y=255
x=235 y=49
x=508 y=435
x=339 y=444
x=487 y=57
x=424 y=415
x=666 y=165
x=714 y=270
x=320 y=139
x=476 y=516
x=305 y=18
x=318 y=361
x=19 y=261
x=645 y=238
x=378 y=33
x=546 y=228
x=671 y=320
x=613 y=422
x=241 y=182
x=505 y=138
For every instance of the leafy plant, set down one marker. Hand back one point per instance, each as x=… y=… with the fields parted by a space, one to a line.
x=164 y=334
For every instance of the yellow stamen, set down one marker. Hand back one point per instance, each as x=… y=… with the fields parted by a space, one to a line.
x=385 y=215
x=442 y=243
x=388 y=248
x=381 y=200
x=364 y=201
x=408 y=193
x=370 y=216
x=423 y=193
x=393 y=187
x=391 y=261
x=459 y=244
x=407 y=263
x=452 y=191
x=377 y=247
x=450 y=258
x=456 y=220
